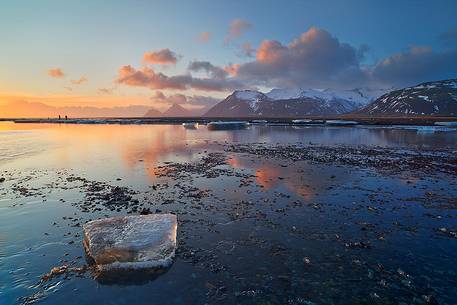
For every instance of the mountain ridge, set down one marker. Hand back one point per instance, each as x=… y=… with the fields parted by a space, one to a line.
x=429 y=98
x=292 y=102
x=22 y=109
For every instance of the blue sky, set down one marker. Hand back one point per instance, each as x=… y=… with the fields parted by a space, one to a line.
x=93 y=39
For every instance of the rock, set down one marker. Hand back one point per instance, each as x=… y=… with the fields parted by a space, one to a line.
x=145 y=211
x=56 y=271
x=132 y=242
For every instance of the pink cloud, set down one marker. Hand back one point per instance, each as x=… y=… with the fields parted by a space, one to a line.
x=148 y=78
x=315 y=58
x=79 y=81
x=271 y=51
x=232 y=69
x=56 y=73
x=248 y=50
x=178 y=98
x=159 y=95
x=204 y=37
x=161 y=57
x=106 y=90
x=237 y=28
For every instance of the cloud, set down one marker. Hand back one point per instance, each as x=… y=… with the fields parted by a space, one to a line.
x=362 y=50
x=106 y=90
x=159 y=95
x=56 y=73
x=161 y=57
x=316 y=58
x=79 y=81
x=204 y=37
x=196 y=101
x=213 y=71
x=247 y=50
x=418 y=64
x=237 y=28
x=148 y=78
x=177 y=99
x=200 y=100
x=232 y=69
x=449 y=38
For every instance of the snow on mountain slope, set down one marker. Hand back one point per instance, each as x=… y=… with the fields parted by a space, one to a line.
x=247 y=94
x=359 y=96
x=293 y=102
x=254 y=98
x=431 y=98
x=284 y=94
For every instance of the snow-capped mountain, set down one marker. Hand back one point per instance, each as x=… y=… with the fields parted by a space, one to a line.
x=293 y=102
x=359 y=96
x=431 y=98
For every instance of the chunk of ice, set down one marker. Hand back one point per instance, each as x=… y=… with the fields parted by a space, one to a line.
x=140 y=241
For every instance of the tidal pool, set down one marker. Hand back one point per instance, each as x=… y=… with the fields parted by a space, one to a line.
x=266 y=215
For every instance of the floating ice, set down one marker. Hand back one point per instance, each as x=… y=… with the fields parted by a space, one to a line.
x=340 y=122
x=448 y=124
x=132 y=242
x=223 y=125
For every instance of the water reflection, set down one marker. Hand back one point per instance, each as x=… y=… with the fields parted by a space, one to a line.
x=227 y=239
x=304 y=182
x=130 y=148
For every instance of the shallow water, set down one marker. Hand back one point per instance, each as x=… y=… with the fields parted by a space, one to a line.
x=252 y=229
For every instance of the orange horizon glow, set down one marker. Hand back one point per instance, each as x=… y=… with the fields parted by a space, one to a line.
x=27 y=105
x=75 y=100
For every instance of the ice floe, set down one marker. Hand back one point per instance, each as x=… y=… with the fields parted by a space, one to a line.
x=131 y=242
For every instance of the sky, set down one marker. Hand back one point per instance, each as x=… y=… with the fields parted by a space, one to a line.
x=157 y=53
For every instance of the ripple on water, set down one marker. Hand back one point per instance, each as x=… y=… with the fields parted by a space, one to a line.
x=2 y=247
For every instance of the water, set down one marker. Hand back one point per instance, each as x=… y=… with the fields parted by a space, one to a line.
x=253 y=229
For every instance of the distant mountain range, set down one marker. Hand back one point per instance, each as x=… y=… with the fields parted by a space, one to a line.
x=152 y=113
x=24 y=109
x=293 y=102
x=174 y=111
x=431 y=98
x=177 y=111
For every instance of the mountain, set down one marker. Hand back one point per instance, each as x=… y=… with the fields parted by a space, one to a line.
x=152 y=113
x=24 y=109
x=177 y=111
x=174 y=111
x=293 y=102
x=431 y=98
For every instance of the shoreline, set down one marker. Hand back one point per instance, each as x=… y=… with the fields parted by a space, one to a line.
x=313 y=120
